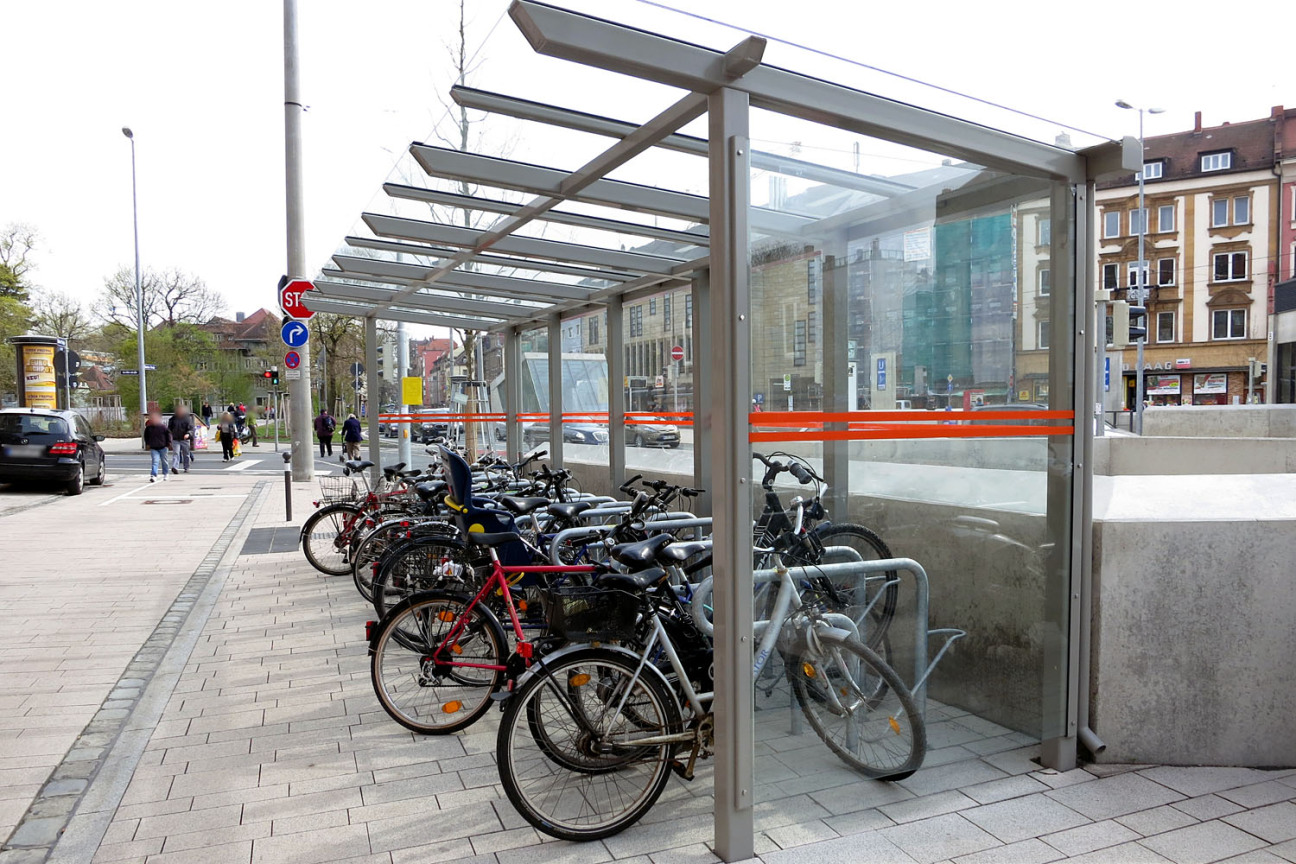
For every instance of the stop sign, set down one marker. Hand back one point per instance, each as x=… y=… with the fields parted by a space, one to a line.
x=290 y=297
x=677 y=353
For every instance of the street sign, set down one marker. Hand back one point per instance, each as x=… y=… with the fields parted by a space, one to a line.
x=659 y=381
x=292 y=374
x=881 y=373
x=357 y=369
x=292 y=359
x=787 y=380
x=290 y=297
x=677 y=353
x=294 y=334
x=127 y=371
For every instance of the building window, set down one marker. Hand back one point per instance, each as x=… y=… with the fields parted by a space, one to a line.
x=1043 y=341
x=1219 y=212
x=812 y=323
x=688 y=311
x=812 y=281
x=1228 y=324
x=1166 y=271
x=1166 y=218
x=1045 y=282
x=1153 y=170
x=1165 y=331
x=1230 y=266
x=652 y=306
x=1216 y=161
x=1111 y=277
x=799 y=344
x=1242 y=211
x=1111 y=224
x=1137 y=269
x=1138 y=222
x=593 y=330
x=1045 y=232
x=666 y=312
x=636 y=321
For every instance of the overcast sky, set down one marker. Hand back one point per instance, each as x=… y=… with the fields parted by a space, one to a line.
x=201 y=84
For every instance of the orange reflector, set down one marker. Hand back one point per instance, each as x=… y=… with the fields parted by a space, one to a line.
x=808 y=670
x=522 y=606
x=456 y=648
x=445 y=615
x=452 y=707
x=895 y=727
x=580 y=679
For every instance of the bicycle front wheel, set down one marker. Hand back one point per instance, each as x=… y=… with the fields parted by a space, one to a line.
x=435 y=662
x=859 y=706
x=843 y=541
x=327 y=536
x=567 y=751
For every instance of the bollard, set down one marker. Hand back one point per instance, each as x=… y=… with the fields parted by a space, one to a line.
x=287 y=457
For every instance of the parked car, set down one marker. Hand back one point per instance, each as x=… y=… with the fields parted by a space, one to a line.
x=573 y=433
x=1012 y=406
x=37 y=444
x=656 y=432
x=439 y=428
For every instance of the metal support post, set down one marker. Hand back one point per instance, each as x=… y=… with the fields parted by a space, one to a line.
x=835 y=316
x=287 y=457
x=616 y=392
x=299 y=389
x=555 y=392
x=402 y=369
x=513 y=393
x=726 y=414
x=701 y=390
x=374 y=383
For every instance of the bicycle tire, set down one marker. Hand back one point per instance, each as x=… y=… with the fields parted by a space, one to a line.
x=539 y=784
x=419 y=564
x=324 y=537
x=884 y=736
x=413 y=692
x=883 y=612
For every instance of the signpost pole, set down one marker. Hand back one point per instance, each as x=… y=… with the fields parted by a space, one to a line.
x=299 y=415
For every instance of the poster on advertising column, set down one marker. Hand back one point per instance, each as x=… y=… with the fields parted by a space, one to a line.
x=39 y=382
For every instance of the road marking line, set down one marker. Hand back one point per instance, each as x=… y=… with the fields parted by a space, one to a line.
x=241 y=466
x=124 y=495
x=188 y=497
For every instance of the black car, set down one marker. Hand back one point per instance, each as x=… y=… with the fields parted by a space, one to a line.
x=37 y=444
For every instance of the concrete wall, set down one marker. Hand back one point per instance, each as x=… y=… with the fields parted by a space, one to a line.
x=1131 y=455
x=1194 y=648
x=1221 y=421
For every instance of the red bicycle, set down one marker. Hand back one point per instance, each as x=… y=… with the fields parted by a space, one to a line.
x=439 y=655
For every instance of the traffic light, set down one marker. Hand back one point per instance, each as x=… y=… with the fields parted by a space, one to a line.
x=274 y=375
x=267 y=374
x=1257 y=368
x=1128 y=324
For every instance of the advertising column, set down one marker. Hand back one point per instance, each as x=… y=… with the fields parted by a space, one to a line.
x=37 y=380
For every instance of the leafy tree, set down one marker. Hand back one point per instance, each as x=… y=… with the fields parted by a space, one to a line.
x=17 y=242
x=14 y=320
x=183 y=355
x=57 y=314
x=342 y=338
x=170 y=297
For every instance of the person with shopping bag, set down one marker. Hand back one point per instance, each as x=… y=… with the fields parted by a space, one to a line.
x=227 y=431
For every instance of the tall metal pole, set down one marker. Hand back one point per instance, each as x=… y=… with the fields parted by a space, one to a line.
x=299 y=389
x=402 y=367
x=1142 y=286
x=139 y=289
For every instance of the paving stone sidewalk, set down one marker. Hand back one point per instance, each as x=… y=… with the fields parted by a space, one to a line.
x=273 y=750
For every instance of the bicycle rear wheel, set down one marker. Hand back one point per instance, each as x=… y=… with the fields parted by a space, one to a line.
x=421 y=564
x=851 y=539
x=327 y=536
x=859 y=706
x=566 y=755
x=428 y=682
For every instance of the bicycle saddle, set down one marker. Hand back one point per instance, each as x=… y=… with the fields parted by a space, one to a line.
x=633 y=582
x=521 y=505
x=641 y=552
x=481 y=538
x=430 y=490
x=569 y=509
x=679 y=552
x=357 y=464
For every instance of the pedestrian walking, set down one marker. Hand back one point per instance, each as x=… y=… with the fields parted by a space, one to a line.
x=351 y=436
x=228 y=431
x=324 y=426
x=157 y=438
x=181 y=427
x=206 y=413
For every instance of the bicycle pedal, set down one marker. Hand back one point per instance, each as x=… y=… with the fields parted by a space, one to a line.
x=684 y=771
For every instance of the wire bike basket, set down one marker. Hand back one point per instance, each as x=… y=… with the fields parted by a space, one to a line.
x=585 y=613
x=337 y=490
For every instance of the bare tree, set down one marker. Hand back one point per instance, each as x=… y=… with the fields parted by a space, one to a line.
x=61 y=315
x=17 y=241
x=170 y=297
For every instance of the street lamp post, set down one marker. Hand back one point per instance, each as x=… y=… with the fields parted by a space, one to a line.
x=1141 y=268
x=139 y=290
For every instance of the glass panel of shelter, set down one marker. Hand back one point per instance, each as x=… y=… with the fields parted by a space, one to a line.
x=897 y=351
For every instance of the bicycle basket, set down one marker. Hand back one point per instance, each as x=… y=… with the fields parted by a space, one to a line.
x=583 y=613
x=334 y=490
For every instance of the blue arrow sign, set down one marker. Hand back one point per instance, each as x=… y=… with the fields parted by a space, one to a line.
x=294 y=334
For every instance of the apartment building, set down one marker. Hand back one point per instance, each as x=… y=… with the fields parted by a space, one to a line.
x=1210 y=226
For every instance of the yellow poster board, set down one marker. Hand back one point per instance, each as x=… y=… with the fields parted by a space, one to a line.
x=412 y=391
x=38 y=377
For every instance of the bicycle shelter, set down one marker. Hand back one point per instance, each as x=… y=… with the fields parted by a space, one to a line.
x=922 y=333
